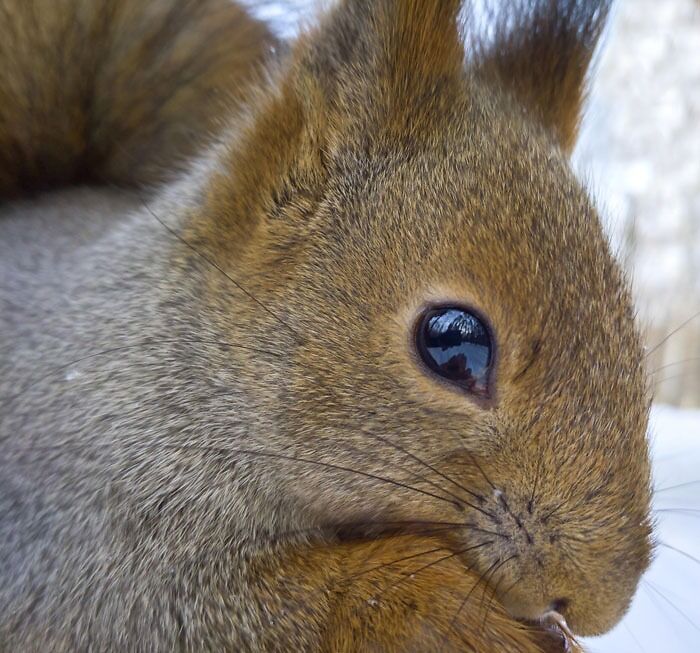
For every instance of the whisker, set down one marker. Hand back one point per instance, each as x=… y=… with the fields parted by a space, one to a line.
x=675 y=364
x=440 y=474
x=493 y=590
x=453 y=554
x=554 y=510
x=154 y=343
x=464 y=602
x=247 y=293
x=269 y=454
x=398 y=528
x=674 y=332
x=687 y=512
x=636 y=641
x=392 y=563
x=671 y=603
x=406 y=576
x=488 y=480
x=511 y=587
x=680 y=375
x=675 y=487
x=477 y=496
x=531 y=502
x=297 y=459
x=460 y=501
x=679 y=551
x=204 y=257
x=487 y=532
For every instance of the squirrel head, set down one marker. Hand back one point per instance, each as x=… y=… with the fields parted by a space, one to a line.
x=384 y=174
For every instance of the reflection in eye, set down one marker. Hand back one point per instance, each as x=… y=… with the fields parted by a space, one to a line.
x=456 y=345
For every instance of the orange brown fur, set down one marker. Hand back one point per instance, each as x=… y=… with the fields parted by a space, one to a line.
x=402 y=595
x=543 y=61
x=372 y=172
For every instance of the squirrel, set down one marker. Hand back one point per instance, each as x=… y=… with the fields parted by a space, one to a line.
x=311 y=346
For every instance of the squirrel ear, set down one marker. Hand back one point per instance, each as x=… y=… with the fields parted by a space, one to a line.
x=418 y=40
x=391 y=50
x=541 y=51
x=368 y=62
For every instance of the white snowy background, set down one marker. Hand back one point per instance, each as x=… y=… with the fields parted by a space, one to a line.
x=640 y=155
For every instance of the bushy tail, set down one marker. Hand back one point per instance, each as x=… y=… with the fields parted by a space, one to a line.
x=115 y=91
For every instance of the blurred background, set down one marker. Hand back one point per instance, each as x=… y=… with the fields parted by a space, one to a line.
x=639 y=154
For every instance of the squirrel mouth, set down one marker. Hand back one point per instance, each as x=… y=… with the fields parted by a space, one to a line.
x=556 y=635
x=550 y=631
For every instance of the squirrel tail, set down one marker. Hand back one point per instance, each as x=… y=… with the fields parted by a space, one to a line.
x=116 y=91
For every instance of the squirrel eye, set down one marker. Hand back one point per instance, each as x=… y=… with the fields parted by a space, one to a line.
x=456 y=345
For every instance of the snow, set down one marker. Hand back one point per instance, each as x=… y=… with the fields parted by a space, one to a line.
x=665 y=614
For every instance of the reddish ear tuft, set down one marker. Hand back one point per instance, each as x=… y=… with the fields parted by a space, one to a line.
x=421 y=38
x=541 y=52
x=394 y=48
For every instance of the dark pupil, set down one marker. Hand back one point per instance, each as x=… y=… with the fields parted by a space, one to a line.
x=456 y=345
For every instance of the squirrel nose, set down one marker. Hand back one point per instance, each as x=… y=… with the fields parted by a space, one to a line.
x=559 y=605
x=523 y=608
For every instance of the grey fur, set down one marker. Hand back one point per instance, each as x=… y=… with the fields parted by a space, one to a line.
x=88 y=558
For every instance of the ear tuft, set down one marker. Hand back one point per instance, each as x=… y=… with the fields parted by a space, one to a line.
x=421 y=37
x=541 y=52
x=395 y=48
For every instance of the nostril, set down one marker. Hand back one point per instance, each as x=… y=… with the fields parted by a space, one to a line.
x=559 y=605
